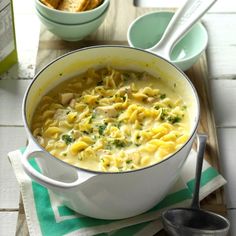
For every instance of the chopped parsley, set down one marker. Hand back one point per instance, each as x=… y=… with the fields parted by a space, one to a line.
x=119 y=124
x=163 y=96
x=92 y=117
x=101 y=129
x=174 y=119
x=164 y=114
x=120 y=143
x=129 y=161
x=67 y=139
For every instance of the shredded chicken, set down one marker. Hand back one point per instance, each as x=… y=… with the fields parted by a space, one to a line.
x=124 y=90
x=108 y=111
x=66 y=98
x=151 y=99
x=72 y=103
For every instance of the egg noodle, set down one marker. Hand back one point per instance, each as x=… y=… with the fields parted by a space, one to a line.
x=111 y=120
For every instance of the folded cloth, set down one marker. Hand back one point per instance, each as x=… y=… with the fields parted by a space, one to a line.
x=47 y=216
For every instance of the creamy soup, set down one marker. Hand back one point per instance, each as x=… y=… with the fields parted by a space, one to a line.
x=112 y=120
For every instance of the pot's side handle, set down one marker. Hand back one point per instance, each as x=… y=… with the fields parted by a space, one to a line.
x=33 y=150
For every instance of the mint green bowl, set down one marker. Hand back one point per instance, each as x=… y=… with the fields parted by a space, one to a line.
x=147 y=30
x=72 y=32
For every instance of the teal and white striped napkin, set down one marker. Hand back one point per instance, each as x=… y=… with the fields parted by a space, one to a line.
x=47 y=216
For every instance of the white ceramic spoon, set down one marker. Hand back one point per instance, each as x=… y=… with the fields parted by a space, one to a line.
x=184 y=18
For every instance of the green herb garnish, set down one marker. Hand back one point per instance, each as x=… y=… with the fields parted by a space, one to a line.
x=120 y=143
x=67 y=139
x=101 y=129
x=92 y=117
x=163 y=116
x=174 y=119
x=163 y=96
x=119 y=124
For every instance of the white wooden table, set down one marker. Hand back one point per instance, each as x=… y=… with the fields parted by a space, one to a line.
x=221 y=54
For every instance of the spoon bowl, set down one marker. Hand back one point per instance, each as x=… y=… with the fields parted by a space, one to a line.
x=148 y=29
x=190 y=221
x=194 y=221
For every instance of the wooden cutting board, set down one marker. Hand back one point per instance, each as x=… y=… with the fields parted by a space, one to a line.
x=113 y=31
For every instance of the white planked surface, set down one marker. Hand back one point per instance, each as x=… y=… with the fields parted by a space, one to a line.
x=11 y=138
x=221 y=48
x=11 y=96
x=219 y=6
x=232 y=218
x=227 y=146
x=8 y=223
x=224 y=102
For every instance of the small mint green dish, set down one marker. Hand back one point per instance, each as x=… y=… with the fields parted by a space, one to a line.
x=66 y=17
x=148 y=29
x=72 y=32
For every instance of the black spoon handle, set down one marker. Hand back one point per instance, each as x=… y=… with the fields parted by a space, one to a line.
x=201 y=144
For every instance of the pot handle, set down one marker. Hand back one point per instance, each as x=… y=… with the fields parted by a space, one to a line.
x=33 y=150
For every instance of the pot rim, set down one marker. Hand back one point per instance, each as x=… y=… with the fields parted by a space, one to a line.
x=30 y=135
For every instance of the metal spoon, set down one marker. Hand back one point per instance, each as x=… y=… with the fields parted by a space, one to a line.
x=181 y=22
x=194 y=221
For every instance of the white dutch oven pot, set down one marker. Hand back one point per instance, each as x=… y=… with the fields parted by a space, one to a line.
x=99 y=194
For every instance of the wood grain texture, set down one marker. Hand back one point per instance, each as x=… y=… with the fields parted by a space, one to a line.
x=113 y=31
